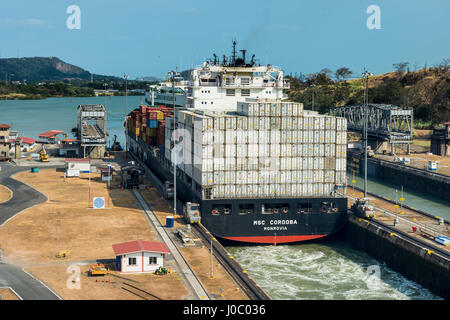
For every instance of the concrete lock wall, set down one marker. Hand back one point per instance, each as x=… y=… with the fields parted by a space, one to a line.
x=414 y=262
x=434 y=186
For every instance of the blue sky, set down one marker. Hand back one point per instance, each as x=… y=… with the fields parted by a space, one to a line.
x=151 y=37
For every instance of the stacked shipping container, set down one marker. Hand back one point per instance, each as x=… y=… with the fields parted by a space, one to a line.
x=265 y=150
x=148 y=123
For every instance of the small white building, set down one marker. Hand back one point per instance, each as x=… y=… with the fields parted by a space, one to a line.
x=140 y=256
x=78 y=164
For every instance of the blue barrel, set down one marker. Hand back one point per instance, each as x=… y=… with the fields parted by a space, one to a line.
x=34 y=169
x=169 y=221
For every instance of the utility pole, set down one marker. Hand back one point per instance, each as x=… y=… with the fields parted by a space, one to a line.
x=174 y=155
x=366 y=75
x=105 y=85
x=126 y=112
x=211 y=274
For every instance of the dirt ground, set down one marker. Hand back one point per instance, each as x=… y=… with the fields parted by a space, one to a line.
x=198 y=258
x=109 y=287
x=7 y=294
x=66 y=223
x=5 y=194
x=33 y=238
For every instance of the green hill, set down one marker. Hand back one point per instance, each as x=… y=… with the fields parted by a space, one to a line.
x=37 y=69
x=427 y=91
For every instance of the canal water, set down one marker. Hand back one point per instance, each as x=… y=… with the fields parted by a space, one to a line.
x=32 y=117
x=424 y=202
x=323 y=270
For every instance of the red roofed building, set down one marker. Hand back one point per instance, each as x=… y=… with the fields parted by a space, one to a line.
x=27 y=143
x=140 y=256
x=50 y=136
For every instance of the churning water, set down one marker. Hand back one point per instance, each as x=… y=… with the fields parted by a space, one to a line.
x=325 y=270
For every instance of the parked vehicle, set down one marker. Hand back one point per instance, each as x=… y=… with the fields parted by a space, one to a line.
x=191 y=212
x=168 y=190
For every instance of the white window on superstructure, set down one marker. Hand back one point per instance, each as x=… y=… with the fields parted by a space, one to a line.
x=245 y=81
x=151 y=260
x=230 y=92
x=132 y=261
x=245 y=92
x=229 y=81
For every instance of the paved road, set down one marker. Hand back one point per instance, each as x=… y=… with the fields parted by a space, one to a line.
x=27 y=287
x=23 y=197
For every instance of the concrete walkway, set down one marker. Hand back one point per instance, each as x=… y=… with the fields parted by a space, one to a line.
x=189 y=278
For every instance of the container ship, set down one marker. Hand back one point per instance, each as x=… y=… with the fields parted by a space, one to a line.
x=262 y=169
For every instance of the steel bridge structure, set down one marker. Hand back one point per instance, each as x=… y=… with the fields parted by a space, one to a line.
x=92 y=133
x=386 y=123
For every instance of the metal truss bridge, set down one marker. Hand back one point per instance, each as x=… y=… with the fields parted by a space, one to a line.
x=386 y=122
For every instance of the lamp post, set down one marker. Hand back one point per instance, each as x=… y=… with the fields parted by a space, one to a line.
x=126 y=112
x=174 y=155
x=366 y=75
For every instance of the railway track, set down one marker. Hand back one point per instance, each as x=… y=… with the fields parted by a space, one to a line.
x=139 y=292
x=239 y=275
x=418 y=211
x=411 y=239
x=236 y=272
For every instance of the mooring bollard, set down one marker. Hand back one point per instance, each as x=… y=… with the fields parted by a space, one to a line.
x=395 y=221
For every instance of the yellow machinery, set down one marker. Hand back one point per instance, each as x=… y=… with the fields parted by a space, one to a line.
x=43 y=155
x=98 y=269
x=63 y=254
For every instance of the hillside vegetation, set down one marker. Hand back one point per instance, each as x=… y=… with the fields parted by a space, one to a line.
x=40 y=69
x=427 y=91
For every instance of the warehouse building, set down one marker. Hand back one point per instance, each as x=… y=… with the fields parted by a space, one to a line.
x=140 y=256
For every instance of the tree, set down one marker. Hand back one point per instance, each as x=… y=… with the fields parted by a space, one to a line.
x=401 y=66
x=326 y=72
x=444 y=64
x=343 y=73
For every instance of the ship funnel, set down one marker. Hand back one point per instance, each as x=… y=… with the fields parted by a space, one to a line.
x=243 y=54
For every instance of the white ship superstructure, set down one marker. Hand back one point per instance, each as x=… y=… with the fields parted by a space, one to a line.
x=162 y=94
x=220 y=85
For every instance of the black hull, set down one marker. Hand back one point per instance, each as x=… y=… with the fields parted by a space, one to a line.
x=297 y=219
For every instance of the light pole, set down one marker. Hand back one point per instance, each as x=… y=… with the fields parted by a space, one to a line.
x=126 y=112
x=174 y=149
x=366 y=75
x=105 y=85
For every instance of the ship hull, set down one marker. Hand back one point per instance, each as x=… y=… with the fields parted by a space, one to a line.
x=293 y=224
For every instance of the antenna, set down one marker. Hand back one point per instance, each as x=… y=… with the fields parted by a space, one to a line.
x=234 y=52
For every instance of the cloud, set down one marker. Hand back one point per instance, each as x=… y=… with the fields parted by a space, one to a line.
x=34 y=22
